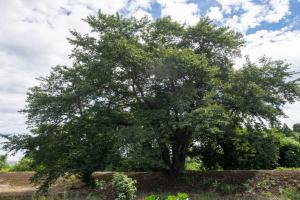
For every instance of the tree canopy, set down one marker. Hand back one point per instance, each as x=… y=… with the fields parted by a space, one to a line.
x=147 y=94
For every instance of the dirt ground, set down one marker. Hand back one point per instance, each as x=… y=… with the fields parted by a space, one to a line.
x=17 y=184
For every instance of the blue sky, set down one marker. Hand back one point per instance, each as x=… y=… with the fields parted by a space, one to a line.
x=33 y=37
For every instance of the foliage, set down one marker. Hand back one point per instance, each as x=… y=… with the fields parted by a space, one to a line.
x=266 y=150
x=286 y=168
x=25 y=164
x=291 y=193
x=3 y=163
x=242 y=148
x=289 y=153
x=100 y=184
x=226 y=189
x=144 y=95
x=124 y=187
x=296 y=127
x=152 y=197
x=179 y=196
x=193 y=164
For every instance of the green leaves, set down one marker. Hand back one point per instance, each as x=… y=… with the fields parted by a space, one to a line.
x=260 y=91
x=143 y=95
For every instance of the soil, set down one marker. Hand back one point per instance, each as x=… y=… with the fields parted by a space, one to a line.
x=248 y=182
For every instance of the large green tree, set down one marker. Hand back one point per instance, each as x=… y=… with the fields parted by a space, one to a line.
x=147 y=92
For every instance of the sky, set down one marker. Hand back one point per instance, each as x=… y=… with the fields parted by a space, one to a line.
x=33 y=37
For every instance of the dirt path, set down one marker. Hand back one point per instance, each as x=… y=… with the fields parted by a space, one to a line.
x=15 y=184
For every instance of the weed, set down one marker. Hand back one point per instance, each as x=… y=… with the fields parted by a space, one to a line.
x=227 y=189
x=152 y=197
x=100 y=184
x=125 y=187
x=179 y=196
x=290 y=193
x=265 y=184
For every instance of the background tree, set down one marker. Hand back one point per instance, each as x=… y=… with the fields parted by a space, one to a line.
x=156 y=89
x=3 y=162
x=296 y=127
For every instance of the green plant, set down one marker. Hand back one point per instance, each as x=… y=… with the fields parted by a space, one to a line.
x=267 y=194
x=124 y=187
x=289 y=153
x=152 y=197
x=266 y=184
x=100 y=184
x=248 y=187
x=71 y=181
x=3 y=163
x=25 y=164
x=179 y=196
x=291 y=193
x=227 y=189
x=145 y=88
x=171 y=197
x=287 y=168
x=182 y=196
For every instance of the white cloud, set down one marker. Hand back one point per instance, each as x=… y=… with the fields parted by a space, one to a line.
x=32 y=40
x=280 y=44
x=137 y=8
x=180 y=10
x=276 y=44
x=292 y=111
x=252 y=14
x=140 y=13
x=215 y=13
x=278 y=10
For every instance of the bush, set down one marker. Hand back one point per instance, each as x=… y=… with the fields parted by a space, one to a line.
x=124 y=187
x=152 y=197
x=291 y=193
x=227 y=189
x=180 y=196
x=3 y=163
x=289 y=153
x=25 y=164
x=101 y=184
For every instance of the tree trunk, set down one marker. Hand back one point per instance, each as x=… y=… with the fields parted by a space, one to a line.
x=175 y=159
x=87 y=179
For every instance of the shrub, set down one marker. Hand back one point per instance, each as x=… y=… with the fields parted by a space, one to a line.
x=291 y=193
x=228 y=189
x=25 y=164
x=3 y=163
x=179 y=196
x=101 y=184
x=152 y=197
x=124 y=187
x=289 y=153
x=71 y=181
x=182 y=196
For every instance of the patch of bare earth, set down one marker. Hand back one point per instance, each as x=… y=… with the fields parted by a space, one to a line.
x=15 y=184
x=249 y=182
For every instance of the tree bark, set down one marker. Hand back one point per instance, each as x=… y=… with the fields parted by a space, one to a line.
x=175 y=159
x=87 y=179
